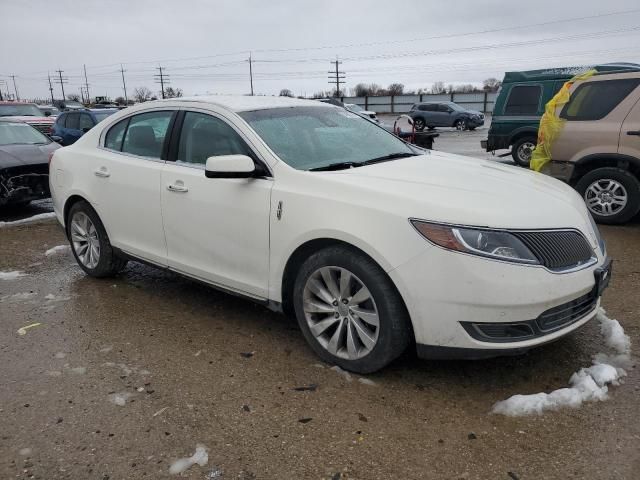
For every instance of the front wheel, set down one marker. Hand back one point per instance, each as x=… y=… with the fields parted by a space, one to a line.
x=612 y=195
x=418 y=124
x=89 y=242
x=522 y=150
x=349 y=311
x=460 y=124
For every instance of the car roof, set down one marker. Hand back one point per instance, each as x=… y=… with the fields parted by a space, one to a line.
x=247 y=103
x=6 y=102
x=565 y=73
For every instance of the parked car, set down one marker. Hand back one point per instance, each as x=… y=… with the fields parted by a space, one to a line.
x=598 y=148
x=71 y=125
x=370 y=243
x=64 y=105
x=24 y=163
x=28 y=113
x=444 y=114
x=352 y=107
x=48 y=110
x=520 y=104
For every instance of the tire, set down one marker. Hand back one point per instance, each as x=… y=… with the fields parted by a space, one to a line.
x=522 y=149
x=419 y=124
x=460 y=124
x=108 y=263
x=612 y=195
x=334 y=316
x=431 y=127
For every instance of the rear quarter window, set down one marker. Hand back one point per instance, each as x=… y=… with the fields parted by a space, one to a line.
x=523 y=100
x=113 y=139
x=595 y=100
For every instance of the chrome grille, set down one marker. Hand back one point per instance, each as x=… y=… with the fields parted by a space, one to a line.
x=558 y=249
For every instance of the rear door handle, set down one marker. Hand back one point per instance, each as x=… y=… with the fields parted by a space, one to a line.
x=634 y=132
x=102 y=172
x=172 y=187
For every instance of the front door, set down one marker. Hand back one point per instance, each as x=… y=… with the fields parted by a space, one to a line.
x=630 y=133
x=217 y=229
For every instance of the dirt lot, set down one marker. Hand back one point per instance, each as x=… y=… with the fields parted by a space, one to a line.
x=124 y=376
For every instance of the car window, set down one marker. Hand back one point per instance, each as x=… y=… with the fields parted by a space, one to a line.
x=146 y=133
x=85 y=121
x=444 y=108
x=72 y=121
x=61 y=120
x=429 y=107
x=523 y=100
x=595 y=100
x=204 y=136
x=113 y=140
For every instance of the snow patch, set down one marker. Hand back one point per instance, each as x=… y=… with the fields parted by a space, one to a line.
x=79 y=370
x=119 y=399
x=367 y=381
x=60 y=355
x=11 y=275
x=201 y=457
x=587 y=385
x=58 y=249
x=56 y=298
x=25 y=452
x=346 y=375
x=17 y=297
x=24 y=221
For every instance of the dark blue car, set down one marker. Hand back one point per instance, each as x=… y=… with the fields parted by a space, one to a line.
x=71 y=125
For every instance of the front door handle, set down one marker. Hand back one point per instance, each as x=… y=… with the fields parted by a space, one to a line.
x=102 y=172
x=178 y=188
x=634 y=132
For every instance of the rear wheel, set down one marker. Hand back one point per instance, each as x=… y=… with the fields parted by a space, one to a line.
x=612 y=195
x=349 y=310
x=522 y=150
x=90 y=243
x=418 y=124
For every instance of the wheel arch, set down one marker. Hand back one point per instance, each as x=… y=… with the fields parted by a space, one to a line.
x=308 y=248
x=70 y=202
x=614 y=160
x=522 y=133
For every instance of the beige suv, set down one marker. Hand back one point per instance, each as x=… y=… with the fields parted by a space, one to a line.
x=598 y=149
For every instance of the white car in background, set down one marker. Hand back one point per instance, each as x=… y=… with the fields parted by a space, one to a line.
x=308 y=208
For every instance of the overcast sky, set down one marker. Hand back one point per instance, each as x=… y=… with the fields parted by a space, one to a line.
x=204 y=45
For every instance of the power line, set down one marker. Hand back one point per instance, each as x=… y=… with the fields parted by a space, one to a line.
x=61 y=81
x=15 y=87
x=161 y=78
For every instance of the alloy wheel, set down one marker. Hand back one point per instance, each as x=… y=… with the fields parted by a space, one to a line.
x=525 y=150
x=606 y=197
x=85 y=241
x=461 y=125
x=418 y=123
x=341 y=312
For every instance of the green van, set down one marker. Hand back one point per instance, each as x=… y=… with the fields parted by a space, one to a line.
x=520 y=104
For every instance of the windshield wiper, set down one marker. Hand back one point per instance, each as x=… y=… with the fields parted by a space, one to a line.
x=391 y=156
x=337 y=166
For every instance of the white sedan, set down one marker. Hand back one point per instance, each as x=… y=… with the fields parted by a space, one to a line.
x=307 y=208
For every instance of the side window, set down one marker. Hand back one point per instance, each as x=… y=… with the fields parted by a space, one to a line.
x=62 y=118
x=523 y=100
x=204 y=136
x=85 y=121
x=146 y=133
x=595 y=100
x=72 y=121
x=444 y=108
x=427 y=107
x=113 y=140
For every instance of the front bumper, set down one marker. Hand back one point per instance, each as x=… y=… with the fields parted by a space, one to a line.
x=18 y=185
x=445 y=292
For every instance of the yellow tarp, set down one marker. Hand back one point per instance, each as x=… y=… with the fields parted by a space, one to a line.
x=551 y=124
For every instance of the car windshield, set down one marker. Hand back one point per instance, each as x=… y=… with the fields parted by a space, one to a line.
x=102 y=115
x=316 y=137
x=25 y=110
x=455 y=106
x=20 y=133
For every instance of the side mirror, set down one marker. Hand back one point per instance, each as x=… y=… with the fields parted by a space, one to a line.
x=229 y=166
x=56 y=139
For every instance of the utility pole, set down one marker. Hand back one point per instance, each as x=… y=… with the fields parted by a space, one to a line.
x=61 y=80
x=15 y=87
x=251 y=73
x=124 y=85
x=86 y=83
x=337 y=77
x=161 y=78
x=50 y=88
x=1 y=83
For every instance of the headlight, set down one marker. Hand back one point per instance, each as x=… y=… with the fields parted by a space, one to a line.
x=485 y=243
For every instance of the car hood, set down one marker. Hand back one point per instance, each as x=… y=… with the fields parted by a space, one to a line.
x=449 y=188
x=19 y=155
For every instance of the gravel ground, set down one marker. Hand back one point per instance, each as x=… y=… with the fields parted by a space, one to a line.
x=124 y=376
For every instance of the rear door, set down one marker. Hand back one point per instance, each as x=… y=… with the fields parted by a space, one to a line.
x=630 y=132
x=596 y=110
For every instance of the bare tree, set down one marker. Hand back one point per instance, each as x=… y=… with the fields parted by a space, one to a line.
x=438 y=87
x=361 y=90
x=119 y=100
x=491 y=84
x=396 y=89
x=171 y=92
x=142 y=94
x=73 y=97
x=285 y=92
